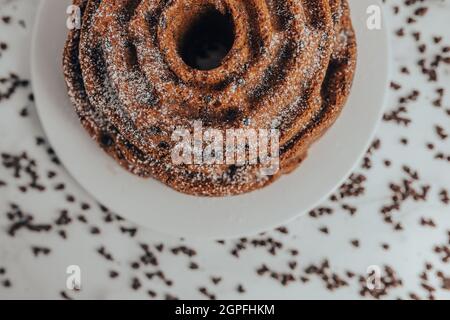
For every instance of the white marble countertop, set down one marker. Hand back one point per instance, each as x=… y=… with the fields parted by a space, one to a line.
x=47 y=222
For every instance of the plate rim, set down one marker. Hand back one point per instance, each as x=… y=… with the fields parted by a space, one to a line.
x=231 y=233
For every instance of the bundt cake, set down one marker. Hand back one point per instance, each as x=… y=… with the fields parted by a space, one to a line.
x=141 y=72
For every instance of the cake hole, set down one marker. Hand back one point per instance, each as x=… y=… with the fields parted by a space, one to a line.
x=132 y=56
x=208 y=40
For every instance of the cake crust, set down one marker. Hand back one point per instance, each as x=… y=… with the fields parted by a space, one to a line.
x=290 y=69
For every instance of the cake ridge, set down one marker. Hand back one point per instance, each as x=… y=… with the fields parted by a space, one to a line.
x=290 y=68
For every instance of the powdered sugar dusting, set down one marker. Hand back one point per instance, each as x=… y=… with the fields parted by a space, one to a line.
x=135 y=90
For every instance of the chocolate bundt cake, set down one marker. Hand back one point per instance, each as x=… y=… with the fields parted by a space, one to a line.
x=139 y=72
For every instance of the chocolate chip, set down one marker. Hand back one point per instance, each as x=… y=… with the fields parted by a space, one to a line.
x=106 y=140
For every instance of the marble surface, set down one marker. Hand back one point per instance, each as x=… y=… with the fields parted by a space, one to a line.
x=392 y=215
